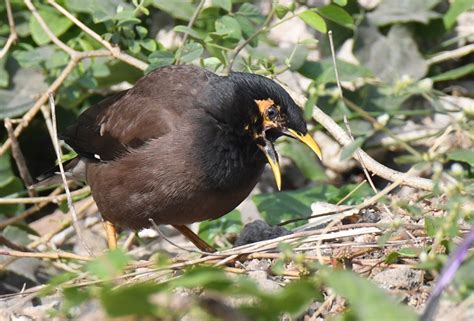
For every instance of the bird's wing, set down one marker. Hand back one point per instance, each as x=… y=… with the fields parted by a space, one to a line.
x=152 y=108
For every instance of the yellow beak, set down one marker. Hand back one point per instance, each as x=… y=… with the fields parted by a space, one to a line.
x=272 y=157
x=308 y=140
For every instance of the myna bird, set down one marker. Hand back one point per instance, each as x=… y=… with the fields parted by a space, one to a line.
x=183 y=145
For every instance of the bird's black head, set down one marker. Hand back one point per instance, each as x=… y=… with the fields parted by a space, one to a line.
x=266 y=111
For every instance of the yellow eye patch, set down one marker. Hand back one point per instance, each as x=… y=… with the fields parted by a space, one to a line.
x=263 y=106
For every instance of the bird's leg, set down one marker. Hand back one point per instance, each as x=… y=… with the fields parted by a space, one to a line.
x=111 y=235
x=195 y=239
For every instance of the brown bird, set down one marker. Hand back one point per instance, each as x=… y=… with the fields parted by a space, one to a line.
x=181 y=146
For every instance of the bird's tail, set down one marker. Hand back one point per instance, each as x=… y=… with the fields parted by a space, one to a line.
x=73 y=169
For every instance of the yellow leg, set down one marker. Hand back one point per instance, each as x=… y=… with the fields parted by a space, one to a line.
x=110 y=234
x=196 y=240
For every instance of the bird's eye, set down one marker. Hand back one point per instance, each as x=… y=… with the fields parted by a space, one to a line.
x=272 y=112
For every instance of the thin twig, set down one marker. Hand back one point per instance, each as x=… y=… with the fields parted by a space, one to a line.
x=81 y=212
x=326 y=304
x=45 y=255
x=86 y=29
x=366 y=203
x=158 y=230
x=241 y=46
x=333 y=55
x=48 y=31
x=452 y=54
x=190 y=25
x=70 y=203
x=129 y=241
x=28 y=117
x=13 y=35
x=20 y=160
x=375 y=167
x=114 y=51
x=29 y=212
x=40 y=199
x=47 y=237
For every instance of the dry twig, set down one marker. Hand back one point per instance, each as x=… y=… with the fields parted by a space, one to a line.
x=70 y=203
x=13 y=35
x=190 y=25
x=53 y=197
x=20 y=159
x=46 y=255
x=15 y=219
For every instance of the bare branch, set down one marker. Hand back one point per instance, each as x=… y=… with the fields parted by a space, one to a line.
x=241 y=46
x=20 y=160
x=44 y=255
x=13 y=35
x=190 y=25
x=114 y=51
x=452 y=54
x=30 y=211
x=70 y=203
x=48 y=31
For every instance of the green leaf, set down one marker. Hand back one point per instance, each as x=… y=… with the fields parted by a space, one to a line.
x=433 y=225
x=281 y=11
x=350 y=149
x=281 y=206
x=73 y=297
x=247 y=28
x=323 y=71
x=337 y=14
x=399 y=11
x=101 y=10
x=305 y=160
x=130 y=299
x=212 y=63
x=56 y=22
x=367 y=301
x=179 y=9
x=191 y=51
x=230 y=223
x=16 y=235
x=206 y=277
x=293 y=299
x=389 y=57
x=148 y=44
x=313 y=20
x=342 y=3
x=192 y=32
x=224 y=4
x=228 y=27
x=25 y=85
x=455 y=9
x=6 y=172
x=462 y=155
x=251 y=12
x=403 y=252
x=110 y=265
x=10 y=186
x=455 y=73
x=4 y=75
x=298 y=57
x=159 y=59
x=409 y=251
